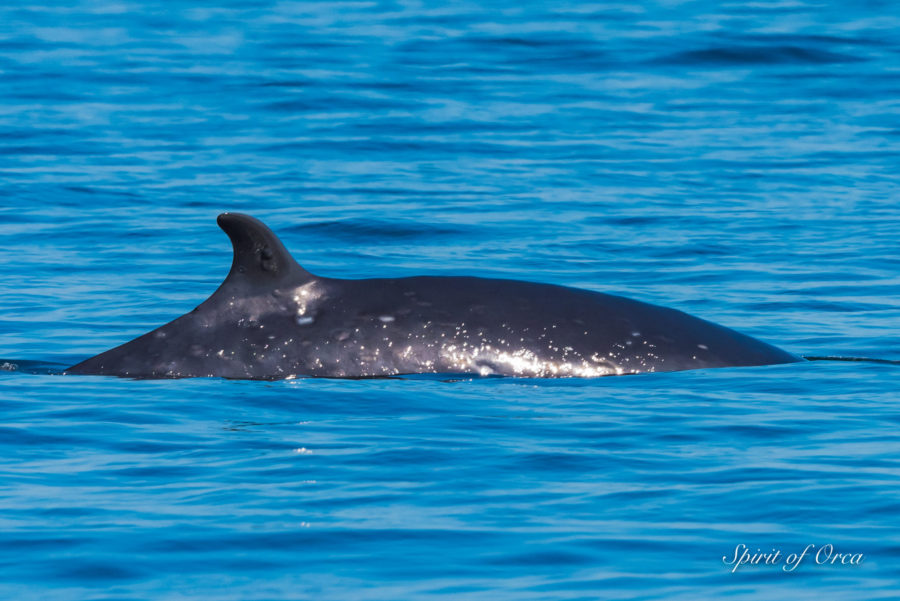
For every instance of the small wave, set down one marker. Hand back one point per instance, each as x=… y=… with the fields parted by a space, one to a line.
x=756 y=55
x=31 y=367
x=851 y=359
x=368 y=230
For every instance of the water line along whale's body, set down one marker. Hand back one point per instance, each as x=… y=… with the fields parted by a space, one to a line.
x=272 y=319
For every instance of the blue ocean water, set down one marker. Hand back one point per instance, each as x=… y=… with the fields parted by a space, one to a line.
x=737 y=161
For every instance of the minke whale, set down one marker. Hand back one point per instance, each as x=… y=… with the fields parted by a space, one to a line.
x=272 y=319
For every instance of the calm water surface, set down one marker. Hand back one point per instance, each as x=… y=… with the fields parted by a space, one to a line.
x=734 y=160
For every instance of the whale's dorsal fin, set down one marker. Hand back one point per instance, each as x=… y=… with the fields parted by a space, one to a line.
x=259 y=256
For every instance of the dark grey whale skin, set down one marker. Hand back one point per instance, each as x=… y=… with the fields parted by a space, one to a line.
x=272 y=319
